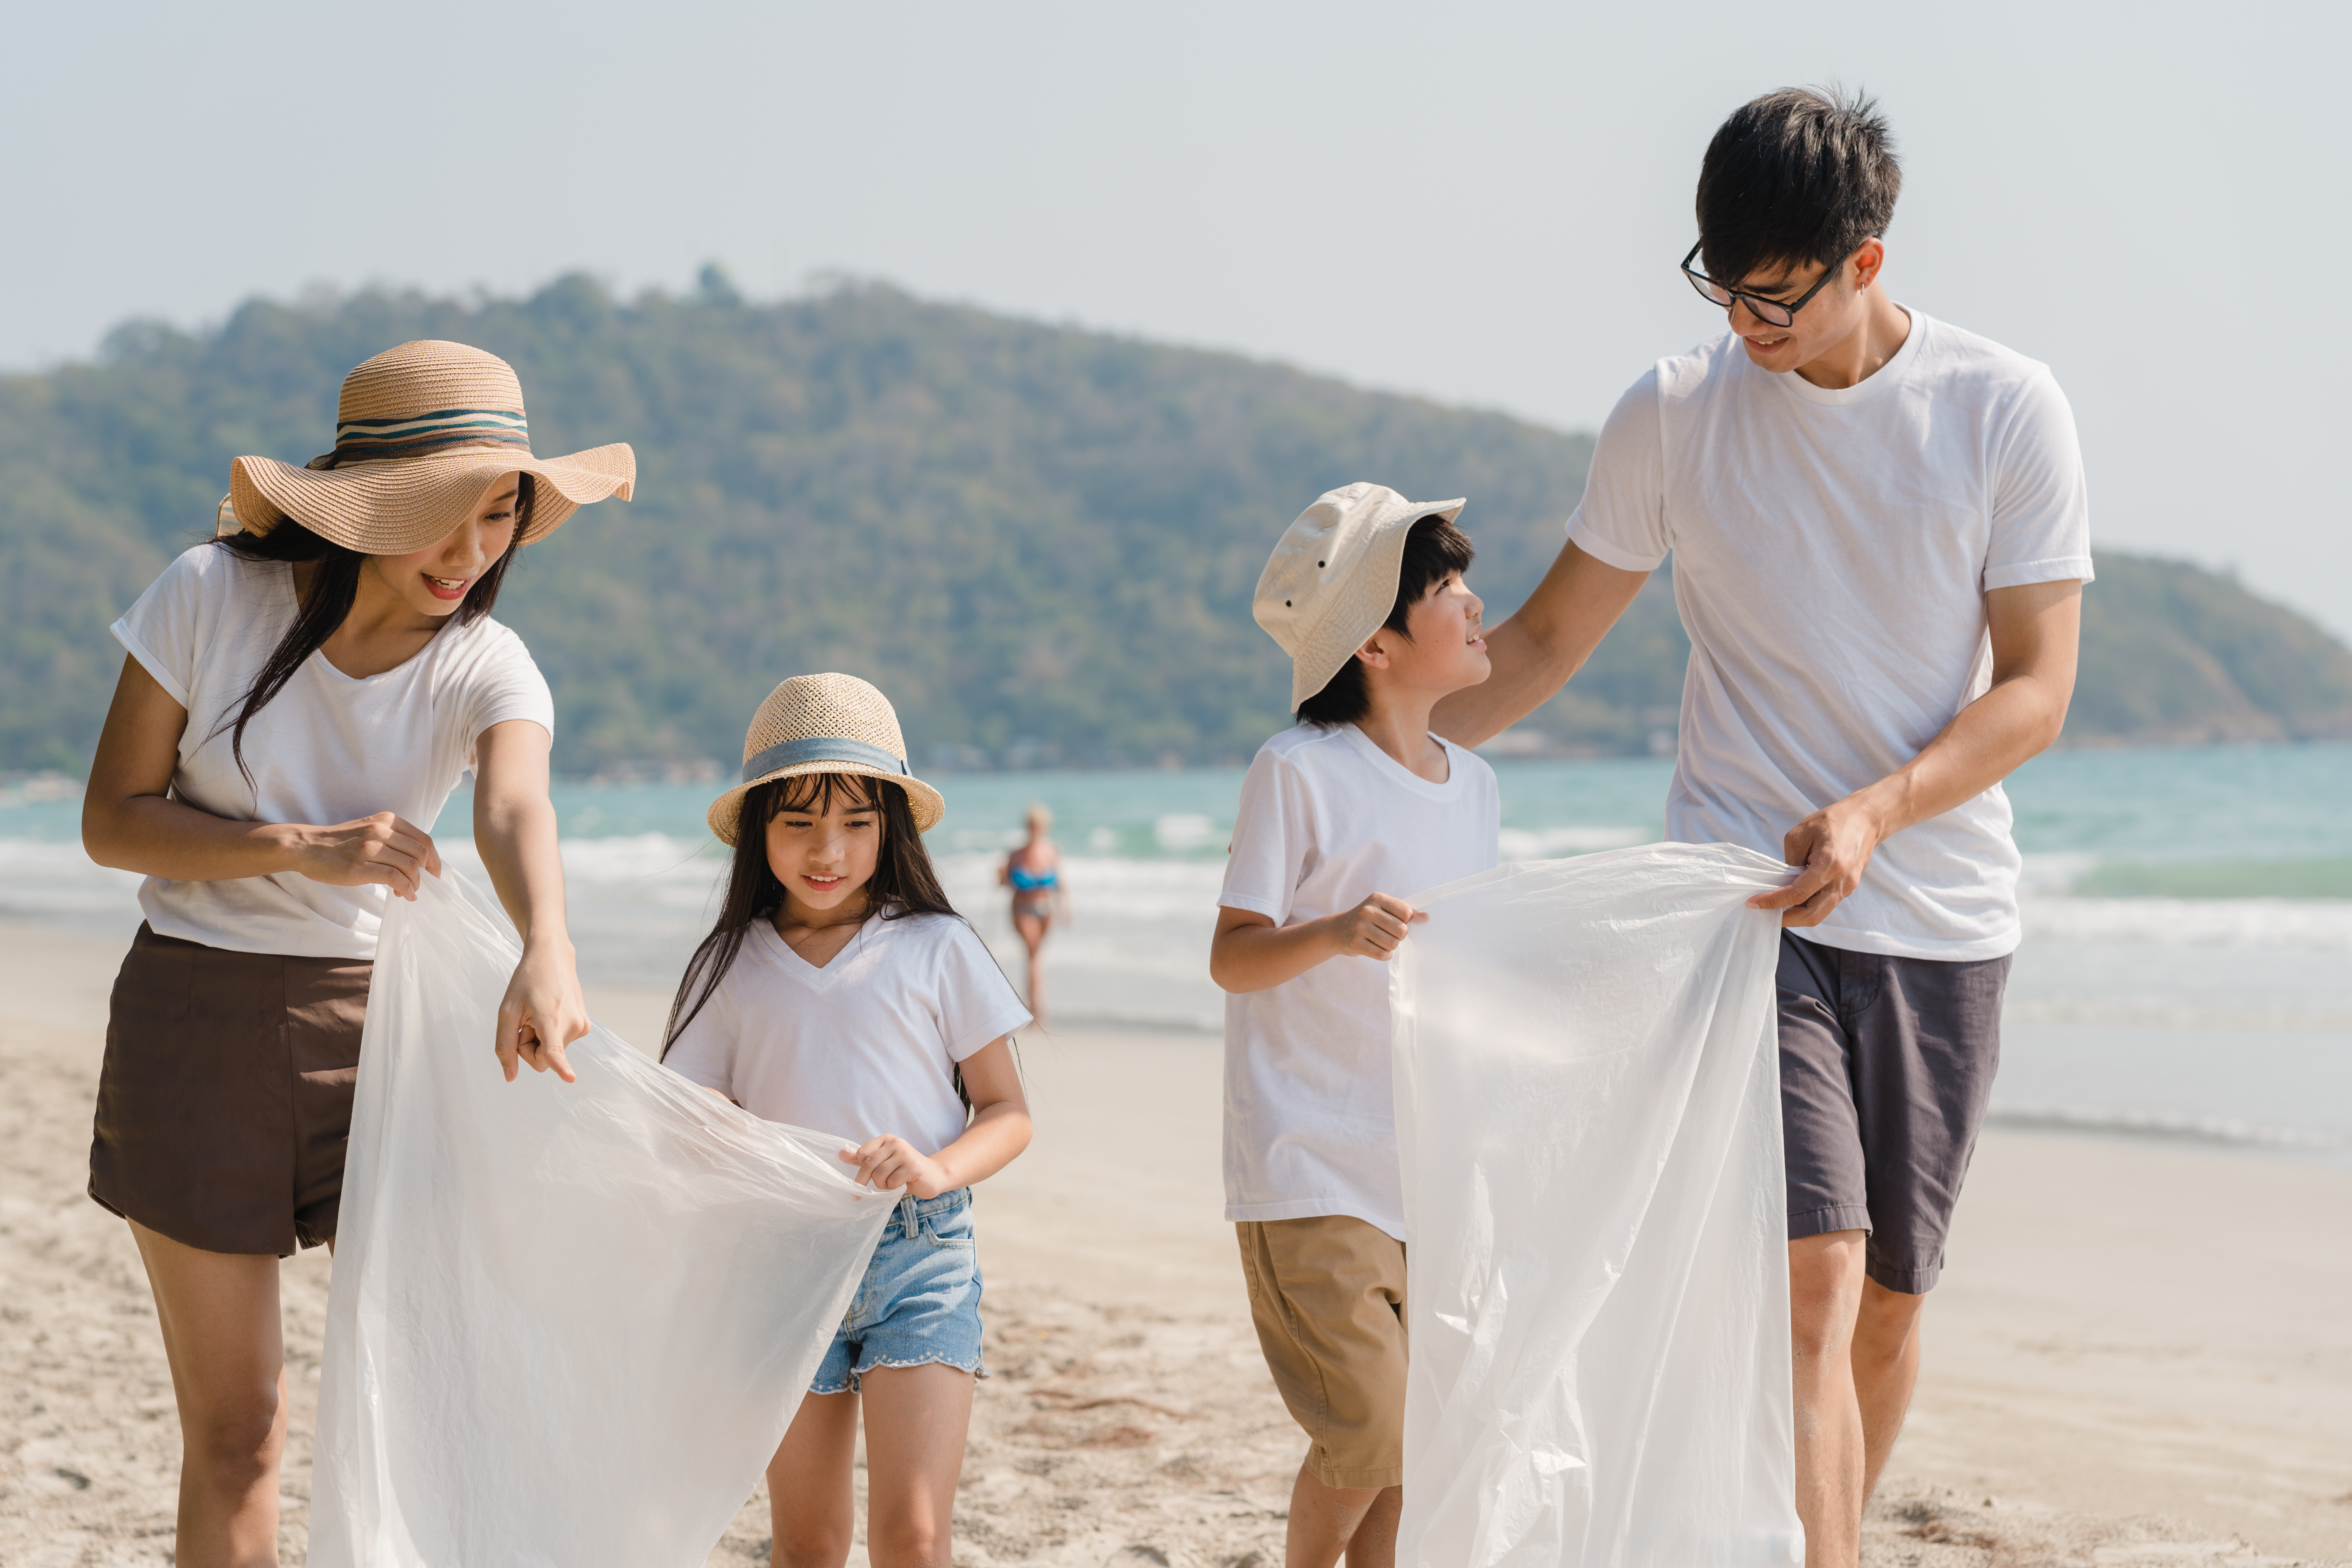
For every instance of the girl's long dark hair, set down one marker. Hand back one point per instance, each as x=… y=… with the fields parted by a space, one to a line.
x=333 y=587
x=903 y=883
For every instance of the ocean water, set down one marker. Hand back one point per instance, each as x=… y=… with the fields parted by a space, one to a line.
x=2186 y=969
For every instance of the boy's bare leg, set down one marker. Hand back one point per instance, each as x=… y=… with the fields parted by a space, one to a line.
x=811 y=1513
x=1886 y=1369
x=1825 y=1281
x=916 y=1419
x=1326 y=1522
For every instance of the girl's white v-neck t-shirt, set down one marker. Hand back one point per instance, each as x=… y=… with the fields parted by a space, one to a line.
x=329 y=747
x=865 y=1047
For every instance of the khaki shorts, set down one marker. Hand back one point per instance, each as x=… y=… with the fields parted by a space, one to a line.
x=1326 y=1295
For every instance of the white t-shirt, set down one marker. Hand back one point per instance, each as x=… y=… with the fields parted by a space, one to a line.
x=1832 y=553
x=328 y=747
x=1325 y=818
x=862 y=1047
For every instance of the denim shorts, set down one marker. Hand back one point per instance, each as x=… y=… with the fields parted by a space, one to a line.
x=919 y=1301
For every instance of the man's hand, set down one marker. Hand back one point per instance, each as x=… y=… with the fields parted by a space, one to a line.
x=1834 y=846
x=1373 y=928
x=891 y=1161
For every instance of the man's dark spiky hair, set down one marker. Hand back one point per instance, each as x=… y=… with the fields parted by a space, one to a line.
x=1796 y=177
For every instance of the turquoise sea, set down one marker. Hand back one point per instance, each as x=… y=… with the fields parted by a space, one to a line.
x=2187 y=971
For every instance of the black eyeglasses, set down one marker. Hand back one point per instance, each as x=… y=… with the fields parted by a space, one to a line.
x=1771 y=313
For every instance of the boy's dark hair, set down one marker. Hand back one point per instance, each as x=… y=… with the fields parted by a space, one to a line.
x=1795 y=176
x=1434 y=551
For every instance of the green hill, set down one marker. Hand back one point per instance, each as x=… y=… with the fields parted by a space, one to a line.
x=1039 y=540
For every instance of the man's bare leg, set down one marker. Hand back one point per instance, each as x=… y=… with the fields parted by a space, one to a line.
x=1825 y=1281
x=1326 y=1522
x=1885 y=1368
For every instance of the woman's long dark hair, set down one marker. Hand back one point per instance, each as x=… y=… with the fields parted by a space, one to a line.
x=333 y=587
x=903 y=883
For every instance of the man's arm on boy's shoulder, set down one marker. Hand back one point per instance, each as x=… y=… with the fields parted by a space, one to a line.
x=1250 y=952
x=1533 y=653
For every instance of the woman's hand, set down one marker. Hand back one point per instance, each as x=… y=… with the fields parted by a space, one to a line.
x=892 y=1161
x=380 y=848
x=543 y=1012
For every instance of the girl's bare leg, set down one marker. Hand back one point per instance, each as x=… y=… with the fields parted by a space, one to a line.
x=811 y=1510
x=916 y=1418
x=227 y=1350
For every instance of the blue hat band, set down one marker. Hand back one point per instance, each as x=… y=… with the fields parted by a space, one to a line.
x=822 y=749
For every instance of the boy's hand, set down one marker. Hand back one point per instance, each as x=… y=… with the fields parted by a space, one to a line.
x=1373 y=928
x=891 y=1161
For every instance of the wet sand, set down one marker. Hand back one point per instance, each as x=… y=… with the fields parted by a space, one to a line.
x=2141 y=1353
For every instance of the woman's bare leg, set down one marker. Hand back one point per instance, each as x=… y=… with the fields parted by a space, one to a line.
x=1032 y=932
x=227 y=1350
x=916 y=1418
x=811 y=1509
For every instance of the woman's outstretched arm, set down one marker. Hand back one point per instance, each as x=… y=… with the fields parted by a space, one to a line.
x=514 y=830
x=129 y=821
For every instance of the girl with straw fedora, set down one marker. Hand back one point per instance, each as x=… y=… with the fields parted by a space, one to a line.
x=841 y=990
x=299 y=697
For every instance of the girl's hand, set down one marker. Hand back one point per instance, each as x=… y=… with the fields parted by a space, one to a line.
x=891 y=1161
x=543 y=1012
x=380 y=848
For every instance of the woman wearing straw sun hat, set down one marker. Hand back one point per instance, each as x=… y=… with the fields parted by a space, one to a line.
x=300 y=695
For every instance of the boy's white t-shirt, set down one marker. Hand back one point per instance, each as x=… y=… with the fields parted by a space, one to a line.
x=327 y=749
x=1832 y=549
x=1325 y=818
x=865 y=1047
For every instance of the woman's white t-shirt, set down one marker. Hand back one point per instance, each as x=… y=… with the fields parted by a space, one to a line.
x=327 y=749
x=1832 y=549
x=864 y=1047
x=1325 y=818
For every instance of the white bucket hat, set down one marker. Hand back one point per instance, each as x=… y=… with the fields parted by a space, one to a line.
x=824 y=724
x=1332 y=580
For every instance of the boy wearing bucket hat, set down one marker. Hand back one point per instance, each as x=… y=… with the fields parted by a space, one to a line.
x=1338 y=816
x=299 y=697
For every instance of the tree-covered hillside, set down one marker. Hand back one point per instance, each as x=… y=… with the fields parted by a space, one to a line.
x=1039 y=540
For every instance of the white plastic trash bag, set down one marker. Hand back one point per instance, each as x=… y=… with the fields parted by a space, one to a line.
x=1588 y=1109
x=569 y=1323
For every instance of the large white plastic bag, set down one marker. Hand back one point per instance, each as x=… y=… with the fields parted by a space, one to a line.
x=1587 y=1111
x=569 y=1323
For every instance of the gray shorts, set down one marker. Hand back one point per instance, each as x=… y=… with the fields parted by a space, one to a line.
x=1886 y=1067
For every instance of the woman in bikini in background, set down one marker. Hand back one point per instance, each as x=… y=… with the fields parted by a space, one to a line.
x=1034 y=872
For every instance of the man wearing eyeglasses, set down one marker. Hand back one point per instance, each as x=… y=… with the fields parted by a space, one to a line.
x=1880 y=535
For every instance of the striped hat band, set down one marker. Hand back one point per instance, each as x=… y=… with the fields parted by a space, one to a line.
x=358 y=440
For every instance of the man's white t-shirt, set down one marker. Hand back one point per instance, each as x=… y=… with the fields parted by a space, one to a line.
x=327 y=749
x=1832 y=553
x=865 y=1047
x=1325 y=818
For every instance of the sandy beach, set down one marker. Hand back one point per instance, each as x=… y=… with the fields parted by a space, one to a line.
x=2141 y=1354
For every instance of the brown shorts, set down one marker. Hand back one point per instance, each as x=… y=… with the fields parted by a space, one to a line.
x=1326 y=1295
x=1886 y=1064
x=225 y=1104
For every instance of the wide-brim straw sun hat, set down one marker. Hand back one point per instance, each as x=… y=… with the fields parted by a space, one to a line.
x=824 y=724
x=421 y=432
x=1332 y=579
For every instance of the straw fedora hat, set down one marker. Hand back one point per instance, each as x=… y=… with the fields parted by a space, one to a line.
x=824 y=724
x=420 y=432
x=1332 y=579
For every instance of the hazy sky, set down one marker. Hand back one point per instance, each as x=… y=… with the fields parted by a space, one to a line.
x=1483 y=203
